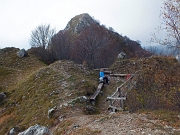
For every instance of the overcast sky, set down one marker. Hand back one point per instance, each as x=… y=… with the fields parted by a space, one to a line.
x=136 y=19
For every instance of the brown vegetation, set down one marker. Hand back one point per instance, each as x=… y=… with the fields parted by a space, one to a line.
x=32 y=88
x=156 y=82
x=87 y=40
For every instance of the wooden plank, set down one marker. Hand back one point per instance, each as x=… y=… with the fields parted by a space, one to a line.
x=93 y=97
x=122 y=103
x=100 y=86
x=108 y=72
x=105 y=70
x=101 y=68
x=119 y=109
x=118 y=98
x=120 y=75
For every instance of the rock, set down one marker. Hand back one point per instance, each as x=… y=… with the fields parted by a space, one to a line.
x=22 y=53
x=54 y=92
x=83 y=80
x=14 y=131
x=61 y=118
x=83 y=99
x=122 y=55
x=90 y=109
x=36 y=130
x=76 y=126
x=65 y=104
x=112 y=113
x=51 y=111
x=2 y=96
x=79 y=22
x=178 y=57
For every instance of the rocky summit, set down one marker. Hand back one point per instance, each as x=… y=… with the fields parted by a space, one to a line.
x=86 y=40
x=80 y=22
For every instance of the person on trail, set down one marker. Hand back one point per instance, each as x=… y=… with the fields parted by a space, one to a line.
x=103 y=77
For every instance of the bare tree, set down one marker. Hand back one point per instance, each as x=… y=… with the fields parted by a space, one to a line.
x=170 y=23
x=41 y=36
x=60 y=46
x=94 y=46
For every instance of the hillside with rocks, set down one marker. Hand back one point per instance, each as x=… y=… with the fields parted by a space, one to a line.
x=84 y=39
x=54 y=99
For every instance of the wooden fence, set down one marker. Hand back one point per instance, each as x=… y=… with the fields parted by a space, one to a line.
x=116 y=100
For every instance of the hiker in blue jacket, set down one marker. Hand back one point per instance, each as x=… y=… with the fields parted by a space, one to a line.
x=103 y=77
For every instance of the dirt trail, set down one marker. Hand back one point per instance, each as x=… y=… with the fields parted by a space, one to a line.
x=119 y=123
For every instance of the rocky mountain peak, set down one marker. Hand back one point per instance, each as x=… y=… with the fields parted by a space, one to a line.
x=79 y=22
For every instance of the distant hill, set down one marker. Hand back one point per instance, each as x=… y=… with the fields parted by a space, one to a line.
x=162 y=50
x=84 y=39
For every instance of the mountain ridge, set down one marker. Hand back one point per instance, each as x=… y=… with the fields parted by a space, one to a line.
x=63 y=83
x=57 y=95
x=84 y=39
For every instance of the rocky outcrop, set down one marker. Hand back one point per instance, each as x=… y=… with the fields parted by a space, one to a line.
x=79 y=22
x=90 y=109
x=2 y=96
x=121 y=55
x=36 y=130
x=14 y=131
x=101 y=43
x=51 y=111
x=22 y=53
x=178 y=57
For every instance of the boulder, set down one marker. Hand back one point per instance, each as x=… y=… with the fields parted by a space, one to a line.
x=14 y=131
x=22 y=53
x=83 y=99
x=51 y=111
x=90 y=109
x=2 y=96
x=121 y=55
x=36 y=130
x=178 y=57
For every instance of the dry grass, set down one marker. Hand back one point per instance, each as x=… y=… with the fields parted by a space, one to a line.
x=32 y=88
x=156 y=84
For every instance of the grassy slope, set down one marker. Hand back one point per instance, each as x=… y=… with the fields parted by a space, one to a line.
x=14 y=69
x=29 y=83
x=157 y=82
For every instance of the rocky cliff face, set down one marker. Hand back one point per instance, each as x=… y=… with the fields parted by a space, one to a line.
x=79 y=22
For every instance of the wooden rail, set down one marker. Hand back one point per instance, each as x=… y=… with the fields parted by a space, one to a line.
x=96 y=93
x=120 y=75
x=105 y=70
x=98 y=69
x=108 y=72
x=118 y=97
